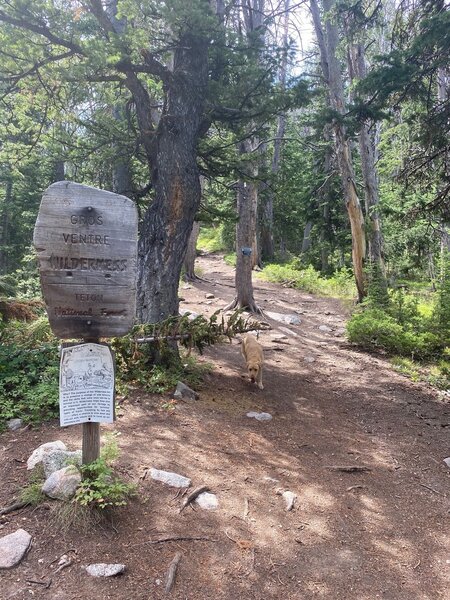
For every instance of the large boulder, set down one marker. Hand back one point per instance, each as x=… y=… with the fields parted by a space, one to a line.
x=13 y=548
x=38 y=454
x=62 y=484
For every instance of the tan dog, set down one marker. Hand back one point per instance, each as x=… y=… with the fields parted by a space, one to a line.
x=253 y=354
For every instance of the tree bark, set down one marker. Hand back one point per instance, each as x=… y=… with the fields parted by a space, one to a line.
x=367 y=151
x=191 y=253
x=328 y=42
x=168 y=222
x=267 y=243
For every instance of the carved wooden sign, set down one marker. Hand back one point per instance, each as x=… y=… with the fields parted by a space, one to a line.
x=86 y=242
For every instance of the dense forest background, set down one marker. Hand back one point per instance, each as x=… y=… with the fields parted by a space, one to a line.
x=315 y=133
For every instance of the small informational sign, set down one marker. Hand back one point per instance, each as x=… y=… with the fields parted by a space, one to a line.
x=86 y=243
x=86 y=384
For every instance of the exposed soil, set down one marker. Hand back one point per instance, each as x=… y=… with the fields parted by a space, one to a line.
x=382 y=533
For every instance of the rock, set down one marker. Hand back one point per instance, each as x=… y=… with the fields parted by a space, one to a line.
x=62 y=484
x=169 y=478
x=209 y=296
x=207 y=501
x=190 y=315
x=325 y=328
x=208 y=302
x=292 y=320
x=187 y=286
x=289 y=498
x=447 y=461
x=309 y=359
x=14 y=424
x=105 y=569
x=184 y=392
x=58 y=459
x=271 y=479
x=260 y=416
x=13 y=548
x=38 y=454
x=289 y=319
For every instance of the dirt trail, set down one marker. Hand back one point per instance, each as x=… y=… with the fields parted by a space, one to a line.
x=381 y=533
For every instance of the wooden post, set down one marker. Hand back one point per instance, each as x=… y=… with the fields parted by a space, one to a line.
x=91 y=431
x=91 y=442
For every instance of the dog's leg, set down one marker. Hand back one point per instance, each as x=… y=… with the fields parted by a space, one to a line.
x=260 y=384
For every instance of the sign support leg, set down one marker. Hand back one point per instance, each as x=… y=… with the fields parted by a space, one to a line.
x=91 y=442
x=91 y=432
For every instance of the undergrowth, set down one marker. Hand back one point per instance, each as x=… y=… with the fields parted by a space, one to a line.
x=210 y=239
x=414 y=330
x=340 y=285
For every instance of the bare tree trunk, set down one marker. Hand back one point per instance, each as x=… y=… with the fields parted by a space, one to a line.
x=191 y=253
x=306 y=243
x=5 y=224
x=367 y=151
x=267 y=244
x=332 y=73
x=247 y=192
x=245 y=235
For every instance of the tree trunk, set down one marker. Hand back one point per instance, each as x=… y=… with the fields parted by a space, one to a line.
x=168 y=222
x=306 y=243
x=5 y=225
x=191 y=253
x=332 y=73
x=267 y=245
x=367 y=151
x=245 y=233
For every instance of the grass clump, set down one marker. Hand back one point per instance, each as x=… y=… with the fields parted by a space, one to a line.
x=32 y=493
x=340 y=285
x=210 y=239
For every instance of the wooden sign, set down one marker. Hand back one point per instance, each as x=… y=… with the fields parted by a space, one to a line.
x=86 y=242
x=86 y=384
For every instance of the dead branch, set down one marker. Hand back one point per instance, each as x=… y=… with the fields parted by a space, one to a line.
x=45 y=584
x=348 y=468
x=63 y=566
x=176 y=538
x=172 y=572
x=13 y=507
x=193 y=495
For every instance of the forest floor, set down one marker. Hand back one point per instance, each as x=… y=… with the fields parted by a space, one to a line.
x=380 y=533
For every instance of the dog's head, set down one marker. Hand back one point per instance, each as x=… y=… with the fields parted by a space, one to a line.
x=253 y=369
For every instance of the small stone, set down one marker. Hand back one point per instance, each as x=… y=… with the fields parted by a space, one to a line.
x=207 y=501
x=271 y=479
x=209 y=296
x=13 y=548
x=14 y=424
x=447 y=461
x=309 y=359
x=105 y=570
x=289 y=498
x=208 y=301
x=184 y=392
x=62 y=484
x=292 y=320
x=260 y=416
x=190 y=315
x=170 y=478
x=325 y=328
x=38 y=454
x=187 y=286
x=58 y=459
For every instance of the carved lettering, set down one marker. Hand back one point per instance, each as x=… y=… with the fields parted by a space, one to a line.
x=65 y=263
x=85 y=238
x=72 y=312
x=86 y=219
x=89 y=297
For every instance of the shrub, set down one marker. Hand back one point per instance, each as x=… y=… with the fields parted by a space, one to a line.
x=28 y=382
x=100 y=488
